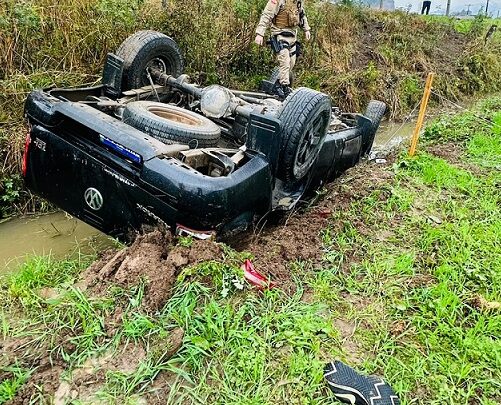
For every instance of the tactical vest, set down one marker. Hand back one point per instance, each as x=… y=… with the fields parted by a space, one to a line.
x=288 y=15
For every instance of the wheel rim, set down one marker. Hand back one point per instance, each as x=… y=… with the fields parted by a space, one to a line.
x=309 y=146
x=176 y=116
x=157 y=63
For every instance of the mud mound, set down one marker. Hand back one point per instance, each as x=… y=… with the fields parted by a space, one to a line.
x=299 y=238
x=151 y=258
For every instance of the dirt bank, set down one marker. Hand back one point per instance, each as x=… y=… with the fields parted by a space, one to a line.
x=151 y=258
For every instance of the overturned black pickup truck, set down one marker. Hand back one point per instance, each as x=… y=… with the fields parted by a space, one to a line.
x=147 y=147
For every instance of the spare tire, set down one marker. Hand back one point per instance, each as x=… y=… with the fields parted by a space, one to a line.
x=171 y=124
x=375 y=111
x=304 y=119
x=146 y=49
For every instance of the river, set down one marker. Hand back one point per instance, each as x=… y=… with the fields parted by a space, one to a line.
x=57 y=234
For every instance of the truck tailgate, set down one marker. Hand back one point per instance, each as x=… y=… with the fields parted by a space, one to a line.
x=89 y=189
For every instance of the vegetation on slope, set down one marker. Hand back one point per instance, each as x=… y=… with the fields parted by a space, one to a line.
x=355 y=55
x=407 y=285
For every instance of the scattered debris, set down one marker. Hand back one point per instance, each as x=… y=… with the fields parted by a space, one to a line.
x=435 y=219
x=202 y=235
x=255 y=278
x=481 y=303
x=353 y=388
x=324 y=212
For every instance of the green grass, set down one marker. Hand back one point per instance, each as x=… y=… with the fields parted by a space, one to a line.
x=405 y=266
x=10 y=385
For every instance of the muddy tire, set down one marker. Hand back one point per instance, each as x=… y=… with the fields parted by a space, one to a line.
x=171 y=124
x=375 y=111
x=304 y=117
x=148 y=49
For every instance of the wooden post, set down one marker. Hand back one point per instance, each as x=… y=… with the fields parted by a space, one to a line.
x=422 y=111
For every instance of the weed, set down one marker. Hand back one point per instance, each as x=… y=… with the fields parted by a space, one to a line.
x=14 y=377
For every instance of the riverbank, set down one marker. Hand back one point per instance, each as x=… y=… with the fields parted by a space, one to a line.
x=395 y=270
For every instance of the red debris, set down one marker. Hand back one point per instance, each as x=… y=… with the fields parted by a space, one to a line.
x=255 y=278
x=324 y=212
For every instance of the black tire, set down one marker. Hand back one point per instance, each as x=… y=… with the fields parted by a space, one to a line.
x=375 y=111
x=171 y=124
x=148 y=49
x=304 y=116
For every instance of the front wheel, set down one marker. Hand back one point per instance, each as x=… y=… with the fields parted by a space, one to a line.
x=304 y=118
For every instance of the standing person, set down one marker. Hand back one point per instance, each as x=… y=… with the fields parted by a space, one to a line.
x=284 y=17
x=426 y=6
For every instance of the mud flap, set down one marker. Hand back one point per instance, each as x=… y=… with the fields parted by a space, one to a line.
x=112 y=75
x=264 y=137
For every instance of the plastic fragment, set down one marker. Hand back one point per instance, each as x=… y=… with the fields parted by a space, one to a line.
x=324 y=212
x=202 y=235
x=254 y=277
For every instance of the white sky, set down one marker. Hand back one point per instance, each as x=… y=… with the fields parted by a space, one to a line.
x=456 y=5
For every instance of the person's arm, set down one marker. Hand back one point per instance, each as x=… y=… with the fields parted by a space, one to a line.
x=269 y=12
x=304 y=24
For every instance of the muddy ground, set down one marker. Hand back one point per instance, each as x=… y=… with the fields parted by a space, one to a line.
x=156 y=260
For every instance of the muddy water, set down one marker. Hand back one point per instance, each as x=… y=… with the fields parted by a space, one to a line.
x=391 y=134
x=57 y=234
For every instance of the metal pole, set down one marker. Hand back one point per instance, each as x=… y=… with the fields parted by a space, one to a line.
x=422 y=111
x=468 y=11
x=449 y=7
x=487 y=8
x=381 y=4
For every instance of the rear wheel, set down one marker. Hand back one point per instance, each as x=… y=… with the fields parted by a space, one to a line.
x=304 y=117
x=171 y=124
x=375 y=111
x=148 y=49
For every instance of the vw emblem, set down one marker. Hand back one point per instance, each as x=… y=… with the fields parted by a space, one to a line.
x=93 y=198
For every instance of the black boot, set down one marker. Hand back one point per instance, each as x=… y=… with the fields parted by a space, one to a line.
x=281 y=90
x=278 y=90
